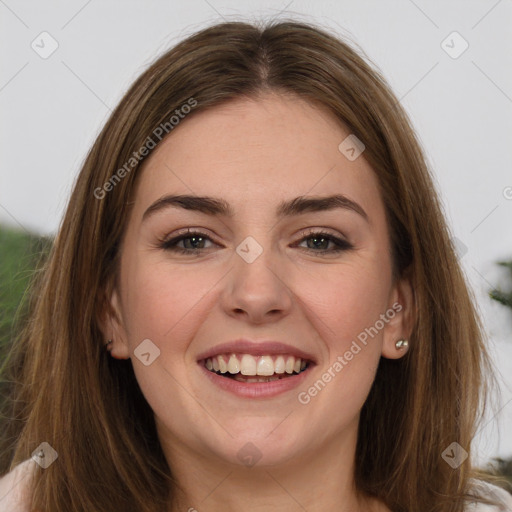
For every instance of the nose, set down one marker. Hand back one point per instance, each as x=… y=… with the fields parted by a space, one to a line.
x=257 y=292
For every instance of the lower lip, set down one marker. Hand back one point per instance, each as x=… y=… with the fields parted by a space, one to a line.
x=257 y=389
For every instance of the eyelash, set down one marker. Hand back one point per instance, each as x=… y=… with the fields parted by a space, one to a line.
x=341 y=245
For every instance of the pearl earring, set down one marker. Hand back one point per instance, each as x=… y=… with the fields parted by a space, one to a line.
x=401 y=344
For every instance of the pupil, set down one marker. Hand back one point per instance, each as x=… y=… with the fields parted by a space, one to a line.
x=193 y=240
x=317 y=242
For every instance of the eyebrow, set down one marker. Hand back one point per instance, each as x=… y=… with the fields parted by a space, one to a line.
x=203 y=204
x=215 y=206
x=304 y=204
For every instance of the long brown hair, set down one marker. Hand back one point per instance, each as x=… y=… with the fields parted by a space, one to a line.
x=67 y=391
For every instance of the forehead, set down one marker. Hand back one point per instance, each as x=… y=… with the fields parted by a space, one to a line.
x=256 y=152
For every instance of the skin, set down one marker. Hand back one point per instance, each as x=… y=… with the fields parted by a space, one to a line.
x=255 y=154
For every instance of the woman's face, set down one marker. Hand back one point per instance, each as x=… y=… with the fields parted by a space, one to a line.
x=263 y=264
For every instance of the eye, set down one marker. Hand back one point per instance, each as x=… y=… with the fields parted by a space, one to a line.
x=324 y=243
x=196 y=242
x=193 y=242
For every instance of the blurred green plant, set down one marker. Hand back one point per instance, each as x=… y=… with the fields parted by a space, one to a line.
x=20 y=253
x=503 y=469
x=498 y=466
x=499 y=295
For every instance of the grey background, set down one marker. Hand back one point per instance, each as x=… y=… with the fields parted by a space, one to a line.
x=53 y=108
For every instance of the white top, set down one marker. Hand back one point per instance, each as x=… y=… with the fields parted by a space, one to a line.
x=493 y=492
x=13 y=488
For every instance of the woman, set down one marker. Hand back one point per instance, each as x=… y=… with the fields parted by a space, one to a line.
x=252 y=302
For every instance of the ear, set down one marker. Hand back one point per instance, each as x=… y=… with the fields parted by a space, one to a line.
x=401 y=314
x=112 y=325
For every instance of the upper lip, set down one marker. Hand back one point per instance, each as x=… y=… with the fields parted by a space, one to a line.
x=255 y=348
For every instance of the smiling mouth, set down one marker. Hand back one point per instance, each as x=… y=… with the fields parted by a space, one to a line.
x=251 y=369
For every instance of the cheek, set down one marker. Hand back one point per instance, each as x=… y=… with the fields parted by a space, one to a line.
x=344 y=302
x=343 y=311
x=164 y=303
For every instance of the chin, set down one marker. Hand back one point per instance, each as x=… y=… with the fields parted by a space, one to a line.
x=259 y=447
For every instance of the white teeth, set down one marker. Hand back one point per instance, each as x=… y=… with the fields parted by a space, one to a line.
x=279 y=364
x=266 y=366
x=254 y=366
x=223 y=365
x=233 y=365
x=248 y=365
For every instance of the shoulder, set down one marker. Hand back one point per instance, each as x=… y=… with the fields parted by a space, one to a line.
x=493 y=492
x=14 y=487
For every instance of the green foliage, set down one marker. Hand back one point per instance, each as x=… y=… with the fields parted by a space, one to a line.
x=20 y=253
x=499 y=295
x=501 y=468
